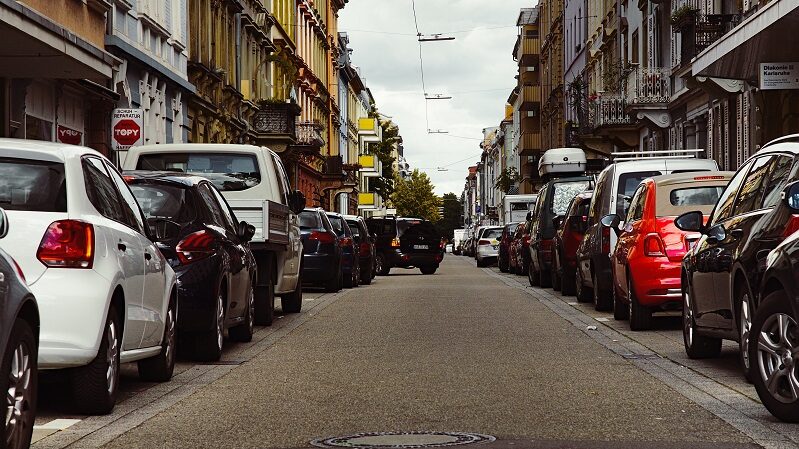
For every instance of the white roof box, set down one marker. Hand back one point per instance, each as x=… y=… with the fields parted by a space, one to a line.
x=562 y=160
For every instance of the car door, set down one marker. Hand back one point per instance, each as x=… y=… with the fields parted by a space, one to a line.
x=704 y=260
x=123 y=240
x=293 y=259
x=155 y=297
x=630 y=236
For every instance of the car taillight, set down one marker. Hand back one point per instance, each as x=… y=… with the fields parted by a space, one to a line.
x=526 y=239
x=19 y=271
x=196 y=246
x=346 y=241
x=605 y=240
x=395 y=243
x=653 y=246
x=484 y=242
x=364 y=249
x=67 y=244
x=792 y=226
x=322 y=237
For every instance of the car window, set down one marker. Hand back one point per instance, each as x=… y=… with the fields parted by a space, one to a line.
x=779 y=172
x=217 y=216
x=101 y=191
x=282 y=182
x=228 y=171
x=582 y=207
x=596 y=201
x=628 y=182
x=309 y=220
x=30 y=185
x=723 y=208
x=225 y=207
x=356 y=231
x=695 y=196
x=165 y=201
x=338 y=225
x=636 y=211
x=564 y=193
x=492 y=234
x=130 y=206
x=749 y=198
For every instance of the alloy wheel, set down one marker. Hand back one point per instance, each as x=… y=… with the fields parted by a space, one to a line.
x=629 y=298
x=777 y=351
x=745 y=328
x=251 y=305
x=220 y=321
x=169 y=350
x=112 y=357
x=379 y=264
x=688 y=319
x=18 y=397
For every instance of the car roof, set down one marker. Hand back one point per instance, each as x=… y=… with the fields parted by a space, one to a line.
x=185 y=179
x=352 y=217
x=196 y=147
x=692 y=178
x=314 y=209
x=48 y=151
x=662 y=164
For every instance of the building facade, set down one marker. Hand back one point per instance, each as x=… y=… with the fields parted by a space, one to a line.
x=526 y=99
x=553 y=130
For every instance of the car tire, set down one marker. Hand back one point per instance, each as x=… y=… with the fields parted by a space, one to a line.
x=292 y=302
x=545 y=277
x=95 y=386
x=640 y=315
x=744 y=332
x=601 y=301
x=696 y=346
x=480 y=263
x=554 y=273
x=244 y=331
x=381 y=265
x=19 y=363
x=621 y=311
x=768 y=353
x=366 y=277
x=429 y=270
x=533 y=277
x=335 y=283
x=208 y=344
x=264 y=293
x=583 y=294
x=161 y=367
x=567 y=283
x=349 y=279
x=502 y=263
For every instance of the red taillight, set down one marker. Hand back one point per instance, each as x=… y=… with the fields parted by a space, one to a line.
x=526 y=239
x=484 y=242
x=345 y=241
x=792 y=226
x=19 y=271
x=322 y=237
x=129 y=179
x=67 y=244
x=653 y=246
x=365 y=249
x=196 y=246
x=605 y=240
x=395 y=243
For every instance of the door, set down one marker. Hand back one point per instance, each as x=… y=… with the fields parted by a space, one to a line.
x=293 y=258
x=123 y=242
x=629 y=238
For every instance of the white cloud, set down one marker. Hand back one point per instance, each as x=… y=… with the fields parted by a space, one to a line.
x=478 y=64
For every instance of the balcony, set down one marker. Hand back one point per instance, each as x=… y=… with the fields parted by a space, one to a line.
x=370 y=165
x=699 y=31
x=527 y=51
x=309 y=136
x=367 y=125
x=530 y=98
x=276 y=121
x=529 y=144
x=367 y=200
x=334 y=166
x=648 y=85
x=609 y=110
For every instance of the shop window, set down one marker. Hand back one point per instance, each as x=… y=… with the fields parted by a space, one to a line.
x=38 y=129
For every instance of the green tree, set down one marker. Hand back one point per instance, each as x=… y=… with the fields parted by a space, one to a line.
x=415 y=198
x=452 y=219
x=384 y=185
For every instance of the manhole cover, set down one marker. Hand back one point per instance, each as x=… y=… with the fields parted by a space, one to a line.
x=403 y=440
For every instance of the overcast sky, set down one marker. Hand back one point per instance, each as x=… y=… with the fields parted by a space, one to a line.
x=477 y=69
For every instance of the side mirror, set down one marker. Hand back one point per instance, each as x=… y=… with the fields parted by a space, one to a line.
x=296 y=201
x=557 y=221
x=717 y=233
x=611 y=221
x=790 y=195
x=246 y=231
x=690 y=221
x=3 y=224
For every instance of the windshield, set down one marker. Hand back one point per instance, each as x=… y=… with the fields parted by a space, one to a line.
x=164 y=201
x=30 y=185
x=309 y=220
x=356 y=231
x=492 y=234
x=563 y=194
x=227 y=171
x=339 y=225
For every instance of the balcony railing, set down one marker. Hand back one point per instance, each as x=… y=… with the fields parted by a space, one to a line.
x=309 y=134
x=276 y=120
x=701 y=29
x=609 y=110
x=531 y=98
x=647 y=85
x=528 y=50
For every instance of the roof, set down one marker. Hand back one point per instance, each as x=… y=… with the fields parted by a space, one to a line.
x=695 y=177
x=186 y=179
x=50 y=151
x=527 y=16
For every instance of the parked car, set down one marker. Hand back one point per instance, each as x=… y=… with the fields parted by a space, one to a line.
x=775 y=326
x=725 y=267
x=405 y=243
x=457 y=241
x=553 y=202
x=19 y=336
x=570 y=230
x=649 y=250
x=614 y=189
x=321 y=255
x=365 y=243
x=488 y=246
x=350 y=258
x=504 y=246
x=208 y=248
x=254 y=182
x=105 y=292
x=519 y=254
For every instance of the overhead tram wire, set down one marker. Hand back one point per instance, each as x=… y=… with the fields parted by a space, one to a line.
x=421 y=67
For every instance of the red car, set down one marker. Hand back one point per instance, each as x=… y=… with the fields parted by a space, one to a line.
x=567 y=239
x=504 y=246
x=648 y=254
x=517 y=250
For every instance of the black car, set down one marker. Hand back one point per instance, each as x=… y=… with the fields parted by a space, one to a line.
x=553 y=201
x=724 y=269
x=350 y=259
x=199 y=235
x=775 y=325
x=321 y=253
x=19 y=336
x=570 y=231
x=405 y=243
x=365 y=243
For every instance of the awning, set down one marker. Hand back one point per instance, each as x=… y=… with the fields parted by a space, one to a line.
x=33 y=46
x=767 y=36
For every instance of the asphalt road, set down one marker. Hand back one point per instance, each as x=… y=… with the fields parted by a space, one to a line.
x=466 y=350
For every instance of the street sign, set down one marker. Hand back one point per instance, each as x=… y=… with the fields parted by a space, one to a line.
x=779 y=75
x=68 y=136
x=127 y=128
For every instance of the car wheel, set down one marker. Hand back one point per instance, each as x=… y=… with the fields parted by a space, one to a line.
x=533 y=277
x=773 y=350
x=356 y=275
x=567 y=283
x=208 y=344
x=503 y=264
x=601 y=300
x=381 y=265
x=696 y=346
x=264 y=293
x=95 y=386
x=640 y=316
x=243 y=332
x=349 y=279
x=620 y=310
x=366 y=274
x=429 y=270
x=161 y=367
x=544 y=276
x=20 y=381
x=583 y=294
x=335 y=283
x=292 y=302
x=555 y=274
x=744 y=332
x=480 y=263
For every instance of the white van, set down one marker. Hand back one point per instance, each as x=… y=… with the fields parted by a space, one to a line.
x=515 y=207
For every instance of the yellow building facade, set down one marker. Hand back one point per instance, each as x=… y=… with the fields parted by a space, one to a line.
x=553 y=131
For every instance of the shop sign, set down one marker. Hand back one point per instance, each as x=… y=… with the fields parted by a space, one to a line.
x=68 y=136
x=779 y=75
x=127 y=128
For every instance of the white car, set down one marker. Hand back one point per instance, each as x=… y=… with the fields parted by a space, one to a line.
x=487 y=248
x=106 y=294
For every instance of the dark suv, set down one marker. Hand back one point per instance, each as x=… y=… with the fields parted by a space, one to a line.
x=405 y=243
x=567 y=239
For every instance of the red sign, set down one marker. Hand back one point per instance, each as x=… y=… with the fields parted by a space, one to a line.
x=68 y=136
x=127 y=132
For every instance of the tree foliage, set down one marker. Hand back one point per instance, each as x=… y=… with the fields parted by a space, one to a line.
x=453 y=211
x=415 y=197
x=384 y=185
x=507 y=179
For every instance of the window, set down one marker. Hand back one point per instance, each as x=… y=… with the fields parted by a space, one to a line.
x=228 y=171
x=751 y=194
x=309 y=220
x=338 y=225
x=101 y=191
x=217 y=216
x=599 y=193
x=169 y=202
x=723 y=208
x=635 y=47
x=636 y=211
x=230 y=217
x=356 y=231
x=695 y=196
x=779 y=172
x=30 y=185
x=628 y=183
x=129 y=205
x=563 y=193
x=282 y=182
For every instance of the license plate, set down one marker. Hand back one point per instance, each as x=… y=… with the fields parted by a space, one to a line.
x=495 y=246
x=421 y=247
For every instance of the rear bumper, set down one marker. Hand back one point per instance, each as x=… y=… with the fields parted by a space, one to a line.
x=318 y=268
x=401 y=259
x=197 y=289
x=487 y=252
x=656 y=282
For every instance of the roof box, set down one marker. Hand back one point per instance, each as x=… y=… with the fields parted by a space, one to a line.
x=562 y=160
